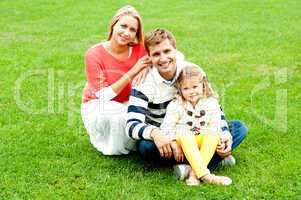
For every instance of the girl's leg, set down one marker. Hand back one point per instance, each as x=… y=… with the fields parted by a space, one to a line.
x=198 y=159
x=238 y=131
x=192 y=154
x=207 y=144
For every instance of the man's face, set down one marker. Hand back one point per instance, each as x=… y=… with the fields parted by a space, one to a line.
x=163 y=57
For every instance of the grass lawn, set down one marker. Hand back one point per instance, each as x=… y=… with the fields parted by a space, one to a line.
x=251 y=51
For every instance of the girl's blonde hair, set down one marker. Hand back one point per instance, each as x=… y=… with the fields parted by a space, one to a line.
x=128 y=11
x=192 y=70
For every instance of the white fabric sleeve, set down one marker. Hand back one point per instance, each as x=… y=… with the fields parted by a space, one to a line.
x=213 y=116
x=171 y=119
x=106 y=94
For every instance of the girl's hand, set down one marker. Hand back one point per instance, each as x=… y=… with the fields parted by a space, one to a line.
x=221 y=145
x=177 y=152
x=226 y=150
x=142 y=63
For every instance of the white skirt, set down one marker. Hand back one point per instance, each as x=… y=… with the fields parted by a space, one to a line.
x=105 y=124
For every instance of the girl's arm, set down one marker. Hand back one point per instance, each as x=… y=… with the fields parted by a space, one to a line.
x=169 y=127
x=171 y=119
x=213 y=116
x=224 y=125
x=217 y=124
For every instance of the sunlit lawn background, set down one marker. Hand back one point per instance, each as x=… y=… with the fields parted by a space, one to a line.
x=251 y=51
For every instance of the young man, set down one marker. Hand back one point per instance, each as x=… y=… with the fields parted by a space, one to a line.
x=148 y=102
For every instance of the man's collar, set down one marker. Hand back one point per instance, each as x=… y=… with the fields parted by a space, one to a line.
x=160 y=79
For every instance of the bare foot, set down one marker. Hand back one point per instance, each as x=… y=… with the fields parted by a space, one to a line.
x=192 y=179
x=218 y=180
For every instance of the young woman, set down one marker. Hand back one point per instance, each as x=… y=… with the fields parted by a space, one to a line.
x=110 y=69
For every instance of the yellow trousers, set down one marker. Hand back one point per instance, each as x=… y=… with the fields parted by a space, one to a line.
x=199 y=150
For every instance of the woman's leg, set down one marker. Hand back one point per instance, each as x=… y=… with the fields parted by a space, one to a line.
x=105 y=125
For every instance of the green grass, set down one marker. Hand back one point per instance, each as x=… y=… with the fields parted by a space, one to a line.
x=44 y=150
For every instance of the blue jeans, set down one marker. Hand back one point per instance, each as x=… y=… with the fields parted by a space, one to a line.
x=148 y=150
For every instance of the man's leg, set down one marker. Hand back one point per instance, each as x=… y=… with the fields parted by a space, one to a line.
x=149 y=152
x=238 y=131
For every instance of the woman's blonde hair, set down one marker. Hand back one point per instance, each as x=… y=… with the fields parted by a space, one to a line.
x=128 y=11
x=192 y=70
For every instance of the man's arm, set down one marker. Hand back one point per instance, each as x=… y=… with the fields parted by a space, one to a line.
x=136 y=127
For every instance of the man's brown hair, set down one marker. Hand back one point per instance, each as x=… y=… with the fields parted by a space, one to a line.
x=158 y=35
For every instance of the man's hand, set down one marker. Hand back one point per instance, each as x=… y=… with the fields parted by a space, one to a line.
x=162 y=142
x=224 y=148
x=177 y=152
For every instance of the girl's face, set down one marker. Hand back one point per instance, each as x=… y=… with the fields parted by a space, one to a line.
x=125 y=30
x=192 y=89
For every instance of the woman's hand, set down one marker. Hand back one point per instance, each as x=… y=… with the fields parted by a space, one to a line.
x=140 y=77
x=177 y=152
x=141 y=64
x=119 y=85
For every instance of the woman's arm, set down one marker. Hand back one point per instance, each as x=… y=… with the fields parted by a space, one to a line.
x=97 y=80
x=142 y=63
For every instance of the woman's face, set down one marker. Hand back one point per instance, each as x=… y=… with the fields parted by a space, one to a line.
x=125 y=30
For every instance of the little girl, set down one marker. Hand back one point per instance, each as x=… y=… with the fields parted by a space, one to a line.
x=194 y=120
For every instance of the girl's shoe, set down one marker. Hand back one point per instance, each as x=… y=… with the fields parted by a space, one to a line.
x=181 y=171
x=218 y=180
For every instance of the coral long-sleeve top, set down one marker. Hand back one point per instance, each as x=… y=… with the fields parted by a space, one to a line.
x=103 y=69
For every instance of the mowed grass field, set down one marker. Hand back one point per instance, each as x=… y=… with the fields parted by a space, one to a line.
x=251 y=51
